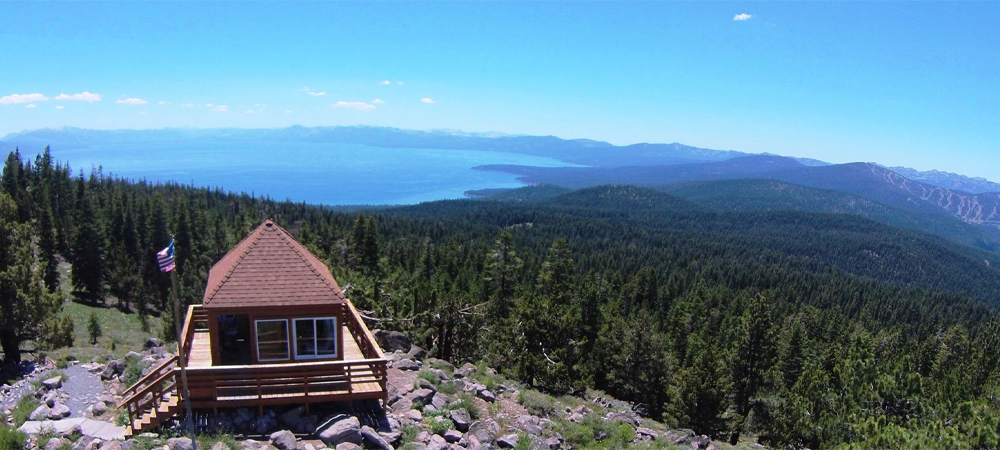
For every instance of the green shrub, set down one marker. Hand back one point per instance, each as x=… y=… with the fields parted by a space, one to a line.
x=133 y=371
x=465 y=402
x=409 y=435
x=584 y=435
x=25 y=406
x=11 y=439
x=537 y=403
x=438 y=423
x=447 y=388
x=432 y=377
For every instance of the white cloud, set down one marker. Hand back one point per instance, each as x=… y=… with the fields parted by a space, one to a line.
x=162 y=103
x=378 y=101
x=221 y=108
x=16 y=99
x=316 y=94
x=305 y=89
x=359 y=106
x=60 y=106
x=30 y=105
x=742 y=17
x=288 y=112
x=209 y=105
x=427 y=100
x=386 y=83
x=187 y=105
x=82 y=97
x=399 y=82
x=131 y=101
x=260 y=105
x=249 y=111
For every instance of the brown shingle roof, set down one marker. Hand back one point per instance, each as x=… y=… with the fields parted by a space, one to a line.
x=269 y=268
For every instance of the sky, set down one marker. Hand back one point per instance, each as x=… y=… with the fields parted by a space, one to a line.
x=900 y=83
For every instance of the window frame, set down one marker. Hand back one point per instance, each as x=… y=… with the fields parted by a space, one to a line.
x=315 y=355
x=288 y=340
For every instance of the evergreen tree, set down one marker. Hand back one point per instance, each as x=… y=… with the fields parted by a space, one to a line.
x=24 y=302
x=48 y=247
x=501 y=271
x=88 y=252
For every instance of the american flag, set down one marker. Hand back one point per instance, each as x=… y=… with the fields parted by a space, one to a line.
x=166 y=258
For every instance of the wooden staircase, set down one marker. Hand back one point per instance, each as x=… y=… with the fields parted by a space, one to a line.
x=154 y=399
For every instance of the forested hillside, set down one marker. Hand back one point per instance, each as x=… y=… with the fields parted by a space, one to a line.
x=802 y=329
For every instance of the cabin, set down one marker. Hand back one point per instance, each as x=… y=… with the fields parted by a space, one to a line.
x=273 y=328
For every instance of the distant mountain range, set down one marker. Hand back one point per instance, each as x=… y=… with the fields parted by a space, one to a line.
x=578 y=151
x=955 y=206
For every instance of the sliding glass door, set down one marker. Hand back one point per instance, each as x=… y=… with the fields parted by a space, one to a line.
x=315 y=337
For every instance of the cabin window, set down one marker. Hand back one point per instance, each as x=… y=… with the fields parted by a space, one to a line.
x=316 y=338
x=272 y=340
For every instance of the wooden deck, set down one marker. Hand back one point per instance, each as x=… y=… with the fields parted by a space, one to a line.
x=201 y=349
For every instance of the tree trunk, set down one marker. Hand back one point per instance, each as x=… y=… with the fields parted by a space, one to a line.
x=11 y=346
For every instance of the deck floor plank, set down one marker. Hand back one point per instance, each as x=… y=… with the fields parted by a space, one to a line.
x=201 y=349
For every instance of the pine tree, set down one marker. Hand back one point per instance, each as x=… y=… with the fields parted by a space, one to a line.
x=25 y=305
x=753 y=354
x=47 y=247
x=500 y=274
x=88 y=252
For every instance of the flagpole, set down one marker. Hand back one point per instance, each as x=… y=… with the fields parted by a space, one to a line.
x=181 y=357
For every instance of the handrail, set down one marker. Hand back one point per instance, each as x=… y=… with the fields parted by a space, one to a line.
x=185 y=340
x=355 y=317
x=152 y=373
x=146 y=390
x=276 y=366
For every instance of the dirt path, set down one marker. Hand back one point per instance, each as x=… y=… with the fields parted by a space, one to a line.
x=83 y=389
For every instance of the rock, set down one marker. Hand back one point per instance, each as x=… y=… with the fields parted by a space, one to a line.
x=416 y=352
x=553 y=442
x=264 y=424
x=392 y=437
x=59 y=411
x=529 y=424
x=345 y=430
x=94 y=444
x=40 y=413
x=220 y=446
x=50 y=399
x=108 y=400
x=622 y=417
x=462 y=419
x=641 y=431
x=484 y=431
x=392 y=341
x=424 y=384
x=422 y=395
x=153 y=343
x=437 y=443
x=508 y=441
x=134 y=356
x=485 y=394
x=73 y=432
x=372 y=439
x=414 y=415
x=55 y=443
x=465 y=370
x=349 y=446
x=99 y=408
x=112 y=445
x=293 y=417
x=452 y=436
x=181 y=443
x=113 y=368
x=283 y=440
x=52 y=383
x=439 y=401
x=406 y=364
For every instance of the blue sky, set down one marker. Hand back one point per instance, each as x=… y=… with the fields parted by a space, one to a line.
x=914 y=84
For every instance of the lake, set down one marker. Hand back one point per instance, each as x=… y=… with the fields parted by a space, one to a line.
x=330 y=174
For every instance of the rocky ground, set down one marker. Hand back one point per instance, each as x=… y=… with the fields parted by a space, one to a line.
x=432 y=405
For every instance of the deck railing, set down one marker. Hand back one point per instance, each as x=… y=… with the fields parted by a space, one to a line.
x=366 y=341
x=278 y=383
x=196 y=318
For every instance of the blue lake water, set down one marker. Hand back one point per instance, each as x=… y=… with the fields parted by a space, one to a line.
x=331 y=174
